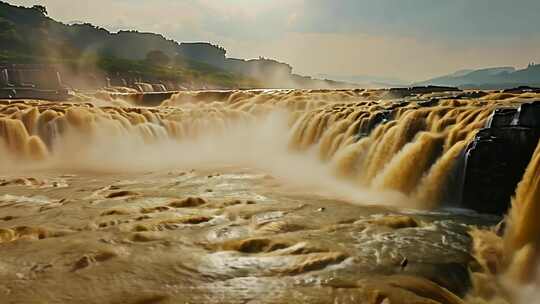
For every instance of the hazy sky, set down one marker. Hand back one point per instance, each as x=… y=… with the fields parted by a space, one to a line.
x=408 y=39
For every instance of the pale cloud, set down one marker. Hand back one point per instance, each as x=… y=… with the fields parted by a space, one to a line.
x=410 y=39
x=402 y=57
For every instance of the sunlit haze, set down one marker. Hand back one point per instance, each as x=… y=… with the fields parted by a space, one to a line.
x=410 y=40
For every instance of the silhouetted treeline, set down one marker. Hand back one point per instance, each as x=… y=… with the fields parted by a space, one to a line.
x=32 y=36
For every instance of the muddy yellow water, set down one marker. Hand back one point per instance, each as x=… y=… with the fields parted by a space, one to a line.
x=281 y=196
x=231 y=235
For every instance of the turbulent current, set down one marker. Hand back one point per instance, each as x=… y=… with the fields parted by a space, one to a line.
x=271 y=196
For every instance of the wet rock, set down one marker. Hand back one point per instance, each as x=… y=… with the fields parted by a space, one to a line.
x=149 y=99
x=398 y=104
x=501 y=117
x=188 y=202
x=155 y=99
x=522 y=89
x=195 y=219
x=495 y=162
x=254 y=245
x=89 y=259
x=473 y=94
x=155 y=209
x=7 y=93
x=116 y=212
x=429 y=103
x=172 y=224
x=374 y=121
x=32 y=81
x=4 y=78
x=404 y=92
x=121 y=194
x=393 y=221
x=500 y=228
x=403 y=263
x=529 y=115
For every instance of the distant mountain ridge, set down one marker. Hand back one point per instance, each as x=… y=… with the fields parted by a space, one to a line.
x=489 y=78
x=367 y=80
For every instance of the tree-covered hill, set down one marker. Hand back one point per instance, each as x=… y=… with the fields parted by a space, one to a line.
x=28 y=35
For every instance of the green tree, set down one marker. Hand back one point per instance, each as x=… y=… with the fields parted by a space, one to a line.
x=9 y=38
x=40 y=8
x=5 y=25
x=180 y=60
x=157 y=57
